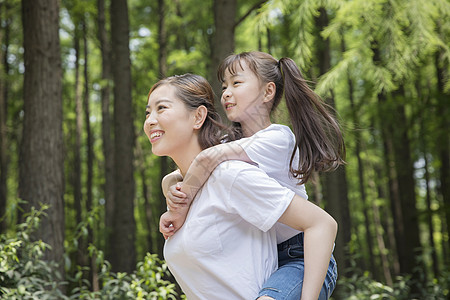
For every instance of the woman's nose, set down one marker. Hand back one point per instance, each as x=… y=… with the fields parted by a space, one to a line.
x=149 y=122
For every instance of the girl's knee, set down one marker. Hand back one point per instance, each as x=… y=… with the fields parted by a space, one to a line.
x=265 y=298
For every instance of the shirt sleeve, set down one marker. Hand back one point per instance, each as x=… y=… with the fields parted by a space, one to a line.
x=257 y=198
x=270 y=149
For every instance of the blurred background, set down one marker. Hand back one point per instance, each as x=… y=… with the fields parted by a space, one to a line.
x=80 y=194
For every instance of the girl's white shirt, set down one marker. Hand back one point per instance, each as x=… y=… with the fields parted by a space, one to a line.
x=271 y=149
x=226 y=248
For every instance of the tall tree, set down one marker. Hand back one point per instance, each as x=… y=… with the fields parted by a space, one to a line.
x=443 y=113
x=108 y=149
x=223 y=39
x=41 y=164
x=162 y=67
x=222 y=43
x=334 y=183
x=3 y=133
x=76 y=175
x=124 y=227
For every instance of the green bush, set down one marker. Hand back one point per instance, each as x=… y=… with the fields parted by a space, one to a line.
x=25 y=275
x=363 y=287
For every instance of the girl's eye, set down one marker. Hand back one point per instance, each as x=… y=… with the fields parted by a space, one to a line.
x=236 y=82
x=161 y=107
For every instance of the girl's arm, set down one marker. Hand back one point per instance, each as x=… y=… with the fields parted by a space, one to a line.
x=320 y=231
x=179 y=197
x=170 y=180
x=206 y=161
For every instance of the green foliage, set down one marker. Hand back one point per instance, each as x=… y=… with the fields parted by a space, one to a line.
x=25 y=274
x=147 y=282
x=363 y=287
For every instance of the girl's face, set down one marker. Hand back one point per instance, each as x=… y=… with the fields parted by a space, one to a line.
x=169 y=124
x=243 y=95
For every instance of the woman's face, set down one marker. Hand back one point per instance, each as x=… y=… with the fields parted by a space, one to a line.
x=169 y=125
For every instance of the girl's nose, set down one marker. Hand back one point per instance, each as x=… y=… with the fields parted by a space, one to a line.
x=226 y=93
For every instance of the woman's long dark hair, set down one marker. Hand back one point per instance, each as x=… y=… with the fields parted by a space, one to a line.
x=194 y=91
x=318 y=137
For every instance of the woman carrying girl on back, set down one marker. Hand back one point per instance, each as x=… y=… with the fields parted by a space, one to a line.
x=253 y=84
x=227 y=247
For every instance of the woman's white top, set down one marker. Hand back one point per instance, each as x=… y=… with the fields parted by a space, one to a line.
x=271 y=148
x=226 y=248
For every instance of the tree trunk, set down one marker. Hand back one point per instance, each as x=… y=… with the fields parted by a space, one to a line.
x=394 y=196
x=405 y=175
x=334 y=183
x=3 y=133
x=380 y=240
x=90 y=151
x=443 y=116
x=108 y=149
x=41 y=159
x=76 y=175
x=78 y=197
x=222 y=43
x=123 y=256
x=361 y=180
x=163 y=166
x=400 y=167
x=423 y=142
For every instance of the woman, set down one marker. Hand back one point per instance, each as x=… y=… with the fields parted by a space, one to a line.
x=227 y=247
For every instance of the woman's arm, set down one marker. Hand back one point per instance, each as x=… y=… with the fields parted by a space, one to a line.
x=320 y=231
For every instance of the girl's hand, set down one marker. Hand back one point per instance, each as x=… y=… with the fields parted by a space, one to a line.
x=176 y=199
x=165 y=225
x=170 y=222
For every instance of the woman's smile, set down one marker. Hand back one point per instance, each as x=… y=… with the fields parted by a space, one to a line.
x=155 y=135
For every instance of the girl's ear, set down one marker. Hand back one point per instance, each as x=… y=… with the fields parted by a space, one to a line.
x=270 y=91
x=200 y=116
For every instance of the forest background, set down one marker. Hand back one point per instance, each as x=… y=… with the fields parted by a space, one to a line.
x=80 y=194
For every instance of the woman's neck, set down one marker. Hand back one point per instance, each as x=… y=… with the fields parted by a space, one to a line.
x=184 y=158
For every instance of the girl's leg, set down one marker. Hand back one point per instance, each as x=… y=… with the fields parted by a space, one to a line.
x=286 y=282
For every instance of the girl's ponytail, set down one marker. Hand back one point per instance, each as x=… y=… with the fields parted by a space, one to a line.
x=318 y=136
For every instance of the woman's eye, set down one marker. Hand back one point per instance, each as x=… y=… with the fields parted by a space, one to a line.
x=161 y=107
x=147 y=113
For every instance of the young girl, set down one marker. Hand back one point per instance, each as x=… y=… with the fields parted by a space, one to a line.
x=227 y=247
x=253 y=85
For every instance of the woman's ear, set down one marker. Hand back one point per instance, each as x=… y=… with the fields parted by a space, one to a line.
x=270 y=91
x=200 y=116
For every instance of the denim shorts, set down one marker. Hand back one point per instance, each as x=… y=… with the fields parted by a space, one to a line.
x=287 y=281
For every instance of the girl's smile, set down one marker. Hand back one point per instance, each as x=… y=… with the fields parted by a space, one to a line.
x=244 y=99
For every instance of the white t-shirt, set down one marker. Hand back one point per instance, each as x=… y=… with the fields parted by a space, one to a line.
x=226 y=248
x=271 y=148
